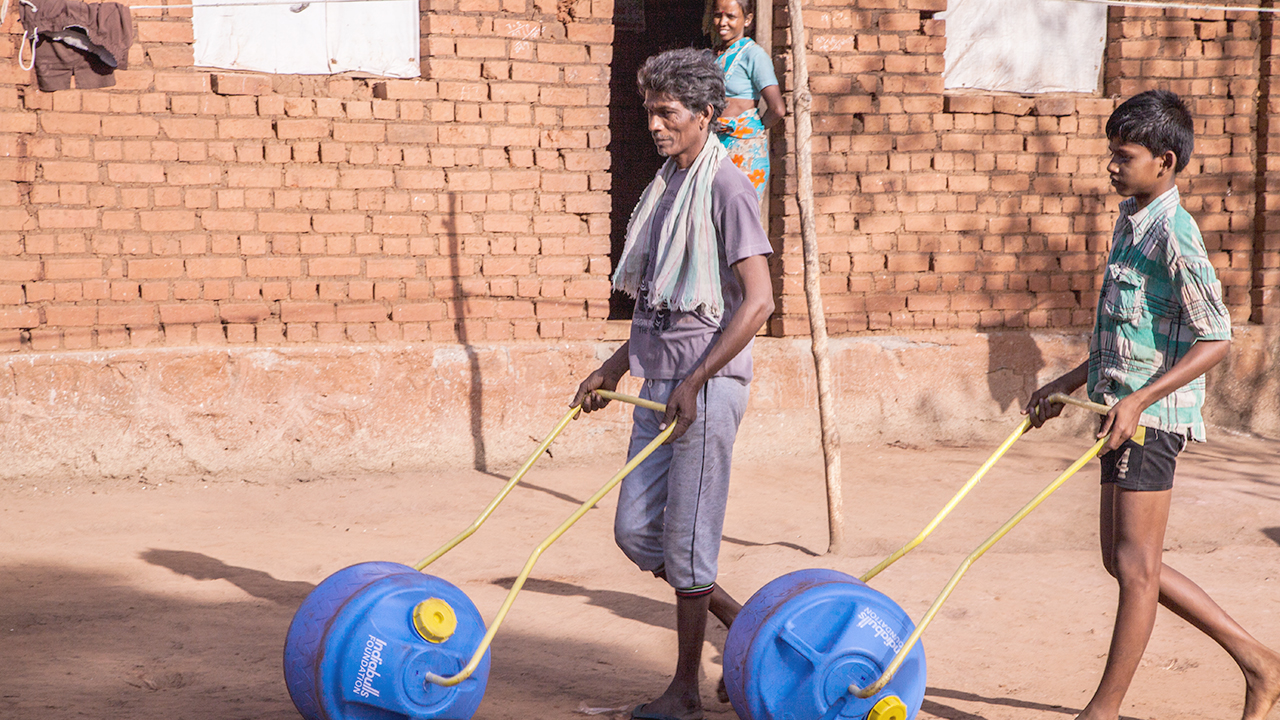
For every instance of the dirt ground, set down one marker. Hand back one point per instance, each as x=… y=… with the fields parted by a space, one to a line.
x=168 y=599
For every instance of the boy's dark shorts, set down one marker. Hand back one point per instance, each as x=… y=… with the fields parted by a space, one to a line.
x=1147 y=467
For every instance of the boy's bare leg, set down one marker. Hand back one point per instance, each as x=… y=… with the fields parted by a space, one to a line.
x=1260 y=664
x=1131 y=529
x=682 y=699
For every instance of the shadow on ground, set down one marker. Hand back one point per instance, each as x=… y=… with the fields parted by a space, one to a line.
x=109 y=651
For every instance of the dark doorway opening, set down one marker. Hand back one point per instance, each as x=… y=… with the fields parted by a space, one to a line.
x=641 y=28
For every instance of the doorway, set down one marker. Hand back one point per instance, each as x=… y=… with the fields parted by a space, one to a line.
x=641 y=28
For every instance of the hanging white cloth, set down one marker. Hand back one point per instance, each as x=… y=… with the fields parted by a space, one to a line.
x=379 y=37
x=1041 y=46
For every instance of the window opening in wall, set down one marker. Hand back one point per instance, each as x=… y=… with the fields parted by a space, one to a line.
x=642 y=28
x=1024 y=47
x=321 y=37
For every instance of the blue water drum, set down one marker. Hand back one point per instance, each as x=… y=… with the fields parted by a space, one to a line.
x=362 y=642
x=803 y=639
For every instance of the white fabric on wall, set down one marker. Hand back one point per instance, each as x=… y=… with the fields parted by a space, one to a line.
x=379 y=37
x=1024 y=46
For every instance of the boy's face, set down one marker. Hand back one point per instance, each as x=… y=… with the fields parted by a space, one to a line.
x=1136 y=172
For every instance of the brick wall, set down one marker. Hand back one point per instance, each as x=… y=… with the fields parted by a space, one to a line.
x=192 y=206
x=992 y=211
x=189 y=206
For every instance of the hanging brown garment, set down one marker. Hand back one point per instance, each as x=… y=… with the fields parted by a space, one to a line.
x=87 y=40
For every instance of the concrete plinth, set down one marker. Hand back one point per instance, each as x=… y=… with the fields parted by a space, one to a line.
x=282 y=412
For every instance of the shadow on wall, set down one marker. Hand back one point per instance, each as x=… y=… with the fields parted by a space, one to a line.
x=1014 y=362
x=1243 y=388
x=479 y=459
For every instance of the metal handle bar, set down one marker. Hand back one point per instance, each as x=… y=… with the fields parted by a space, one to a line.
x=515 y=479
x=1004 y=529
x=537 y=552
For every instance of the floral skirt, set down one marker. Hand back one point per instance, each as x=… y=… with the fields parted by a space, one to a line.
x=747 y=141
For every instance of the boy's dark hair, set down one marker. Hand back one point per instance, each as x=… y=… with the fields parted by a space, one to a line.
x=1157 y=120
x=688 y=75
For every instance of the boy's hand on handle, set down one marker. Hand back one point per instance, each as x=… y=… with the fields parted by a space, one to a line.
x=1039 y=408
x=682 y=409
x=1120 y=423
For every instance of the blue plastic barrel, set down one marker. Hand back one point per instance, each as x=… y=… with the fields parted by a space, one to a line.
x=361 y=643
x=804 y=638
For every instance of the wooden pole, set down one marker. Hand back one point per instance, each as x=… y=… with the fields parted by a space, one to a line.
x=802 y=102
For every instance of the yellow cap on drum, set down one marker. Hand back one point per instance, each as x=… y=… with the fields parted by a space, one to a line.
x=435 y=620
x=890 y=708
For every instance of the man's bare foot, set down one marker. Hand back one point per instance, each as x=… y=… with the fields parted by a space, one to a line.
x=670 y=706
x=1262 y=686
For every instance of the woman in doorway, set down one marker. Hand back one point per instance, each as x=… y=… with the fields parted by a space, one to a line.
x=748 y=75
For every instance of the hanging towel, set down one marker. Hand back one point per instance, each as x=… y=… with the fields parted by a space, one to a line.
x=89 y=41
x=687 y=271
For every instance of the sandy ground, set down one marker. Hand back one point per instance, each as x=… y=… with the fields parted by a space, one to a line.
x=168 y=599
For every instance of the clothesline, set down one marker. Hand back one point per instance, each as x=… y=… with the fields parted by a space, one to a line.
x=1119 y=3
x=301 y=5
x=1180 y=6
x=253 y=3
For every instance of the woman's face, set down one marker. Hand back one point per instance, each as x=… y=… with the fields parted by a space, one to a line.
x=729 y=21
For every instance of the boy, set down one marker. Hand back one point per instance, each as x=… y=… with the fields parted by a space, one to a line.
x=1160 y=325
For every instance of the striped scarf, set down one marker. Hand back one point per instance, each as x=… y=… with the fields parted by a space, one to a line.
x=687 y=273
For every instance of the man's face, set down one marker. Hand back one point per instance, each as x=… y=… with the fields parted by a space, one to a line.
x=1135 y=171
x=677 y=132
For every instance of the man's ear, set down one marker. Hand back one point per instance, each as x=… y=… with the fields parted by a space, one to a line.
x=1169 y=160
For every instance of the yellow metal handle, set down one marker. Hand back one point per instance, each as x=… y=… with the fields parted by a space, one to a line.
x=537 y=552
x=515 y=479
x=951 y=505
x=555 y=535
x=1065 y=399
x=885 y=677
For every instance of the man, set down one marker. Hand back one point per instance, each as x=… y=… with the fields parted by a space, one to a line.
x=695 y=260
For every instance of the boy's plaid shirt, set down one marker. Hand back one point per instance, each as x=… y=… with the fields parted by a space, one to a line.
x=1159 y=296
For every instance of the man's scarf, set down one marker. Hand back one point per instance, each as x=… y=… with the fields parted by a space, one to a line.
x=687 y=269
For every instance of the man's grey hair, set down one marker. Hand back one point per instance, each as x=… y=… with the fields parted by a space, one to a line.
x=688 y=75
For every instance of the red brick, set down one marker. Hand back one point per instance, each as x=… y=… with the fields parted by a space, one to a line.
x=65 y=123
x=333 y=266
x=73 y=269
x=135 y=173
x=65 y=218
x=243 y=312
x=227 y=84
x=167 y=220
x=344 y=223
x=368 y=312
x=273 y=267
x=127 y=315
x=153 y=269
x=390 y=268
x=55 y=171
x=71 y=316
x=299 y=312
x=189 y=128
x=188 y=313
x=25 y=317
x=200 y=268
